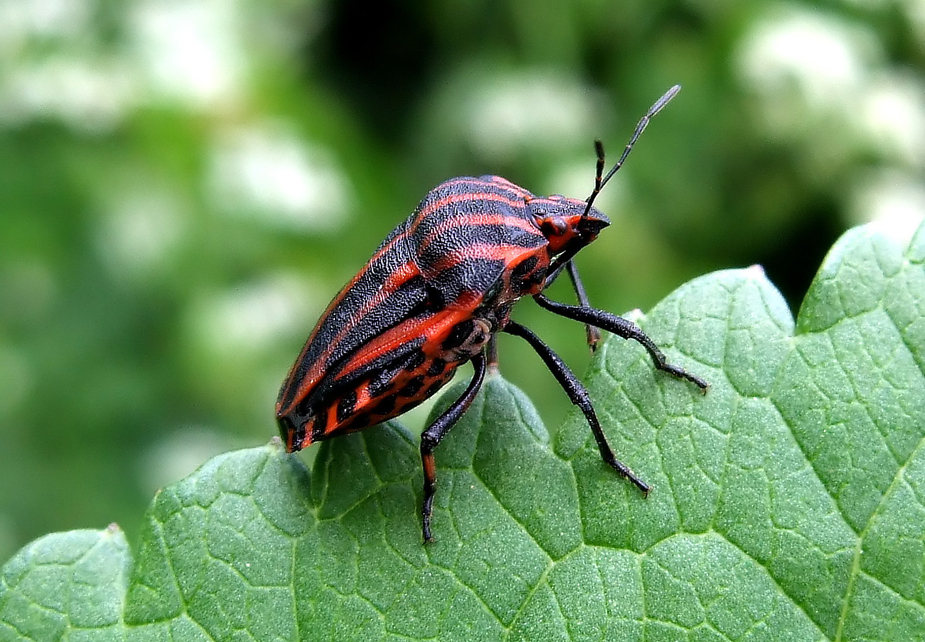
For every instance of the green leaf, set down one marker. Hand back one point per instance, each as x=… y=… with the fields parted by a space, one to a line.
x=66 y=585
x=787 y=503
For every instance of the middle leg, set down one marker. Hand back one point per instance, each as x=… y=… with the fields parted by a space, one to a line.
x=579 y=396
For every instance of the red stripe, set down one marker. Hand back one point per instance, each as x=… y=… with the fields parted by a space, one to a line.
x=432 y=207
x=479 y=219
x=400 y=276
x=385 y=343
x=431 y=328
x=481 y=251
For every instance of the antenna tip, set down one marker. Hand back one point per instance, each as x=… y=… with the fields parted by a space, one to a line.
x=661 y=102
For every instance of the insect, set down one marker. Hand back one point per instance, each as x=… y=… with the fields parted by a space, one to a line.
x=435 y=294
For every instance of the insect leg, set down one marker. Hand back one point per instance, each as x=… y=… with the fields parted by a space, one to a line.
x=431 y=437
x=578 y=395
x=593 y=334
x=558 y=264
x=623 y=328
x=491 y=352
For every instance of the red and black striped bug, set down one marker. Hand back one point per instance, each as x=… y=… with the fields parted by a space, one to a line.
x=434 y=295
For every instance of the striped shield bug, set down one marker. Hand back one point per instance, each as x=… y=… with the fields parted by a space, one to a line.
x=435 y=294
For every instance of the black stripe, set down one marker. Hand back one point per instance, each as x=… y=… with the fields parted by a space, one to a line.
x=458 y=335
x=335 y=386
x=523 y=275
x=467 y=227
x=413 y=386
x=437 y=366
x=463 y=191
x=346 y=405
x=468 y=275
x=458 y=239
x=347 y=330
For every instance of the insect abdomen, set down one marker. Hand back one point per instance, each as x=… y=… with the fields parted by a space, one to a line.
x=369 y=392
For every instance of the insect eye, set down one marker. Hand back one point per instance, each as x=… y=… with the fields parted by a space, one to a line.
x=553 y=226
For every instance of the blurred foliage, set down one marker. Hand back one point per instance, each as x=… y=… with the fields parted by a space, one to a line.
x=184 y=185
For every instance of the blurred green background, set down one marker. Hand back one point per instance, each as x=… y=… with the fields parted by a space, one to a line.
x=185 y=184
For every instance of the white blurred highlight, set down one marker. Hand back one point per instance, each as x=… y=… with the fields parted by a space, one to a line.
x=25 y=19
x=826 y=81
x=893 y=201
x=141 y=228
x=189 y=50
x=179 y=454
x=249 y=318
x=267 y=172
x=824 y=57
x=529 y=108
x=893 y=112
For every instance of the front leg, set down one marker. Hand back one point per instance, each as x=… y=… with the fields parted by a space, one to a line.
x=559 y=264
x=623 y=328
x=592 y=333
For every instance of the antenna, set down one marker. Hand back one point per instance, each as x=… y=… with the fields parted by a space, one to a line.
x=599 y=182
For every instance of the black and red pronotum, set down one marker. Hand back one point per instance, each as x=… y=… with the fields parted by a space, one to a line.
x=434 y=295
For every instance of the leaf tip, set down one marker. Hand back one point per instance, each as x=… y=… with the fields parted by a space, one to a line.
x=899 y=229
x=755 y=271
x=275 y=445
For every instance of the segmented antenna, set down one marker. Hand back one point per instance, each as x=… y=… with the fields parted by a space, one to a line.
x=599 y=182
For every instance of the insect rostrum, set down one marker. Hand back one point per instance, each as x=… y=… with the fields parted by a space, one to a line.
x=434 y=295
